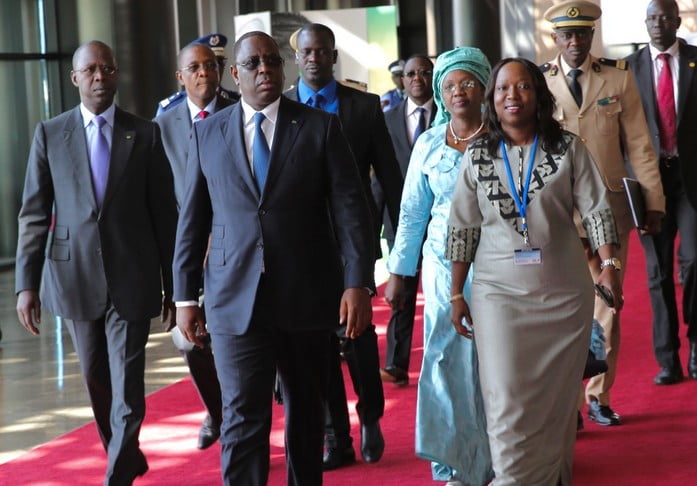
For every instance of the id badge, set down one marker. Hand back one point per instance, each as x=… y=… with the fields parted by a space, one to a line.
x=527 y=256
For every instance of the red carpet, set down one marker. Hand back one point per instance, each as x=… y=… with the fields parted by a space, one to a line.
x=656 y=445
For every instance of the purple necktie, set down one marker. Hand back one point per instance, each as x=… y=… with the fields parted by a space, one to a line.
x=99 y=160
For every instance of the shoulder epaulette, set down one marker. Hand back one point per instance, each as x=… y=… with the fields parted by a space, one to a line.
x=171 y=99
x=548 y=66
x=617 y=63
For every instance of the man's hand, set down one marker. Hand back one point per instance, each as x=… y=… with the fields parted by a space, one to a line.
x=610 y=279
x=29 y=310
x=190 y=323
x=652 y=223
x=169 y=313
x=355 y=311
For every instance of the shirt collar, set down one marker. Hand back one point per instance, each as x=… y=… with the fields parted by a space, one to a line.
x=194 y=110
x=583 y=67
x=328 y=92
x=270 y=111
x=411 y=106
x=107 y=114
x=673 y=50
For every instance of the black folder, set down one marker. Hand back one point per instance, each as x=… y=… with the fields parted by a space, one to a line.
x=635 y=196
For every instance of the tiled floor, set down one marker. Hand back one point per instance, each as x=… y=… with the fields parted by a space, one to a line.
x=41 y=391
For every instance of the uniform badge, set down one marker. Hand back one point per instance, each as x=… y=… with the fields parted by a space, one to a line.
x=609 y=100
x=572 y=12
x=214 y=40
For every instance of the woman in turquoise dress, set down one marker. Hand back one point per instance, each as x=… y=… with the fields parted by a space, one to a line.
x=450 y=420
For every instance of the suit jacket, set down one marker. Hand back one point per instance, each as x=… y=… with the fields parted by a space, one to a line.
x=396 y=122
x=305 y=233
x=609 y=120
x=176 y=129
x=642 y=67
x=123 y=251
x=363 y=123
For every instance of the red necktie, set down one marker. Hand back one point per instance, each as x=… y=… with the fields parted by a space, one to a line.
x=203 y=114
x=666 y=107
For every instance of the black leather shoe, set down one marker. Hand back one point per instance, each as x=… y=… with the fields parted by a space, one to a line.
x=208 y=433
x=669 y=376
x=602 y=414
x=335 y=457
x=372 y=442
x=393 y=374
x=692 y=362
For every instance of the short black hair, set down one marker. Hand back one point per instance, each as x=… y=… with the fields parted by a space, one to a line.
x=318 y=29
x=254 y=33
x=420 y=56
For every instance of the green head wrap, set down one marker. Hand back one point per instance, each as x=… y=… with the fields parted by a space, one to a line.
x=468 y=59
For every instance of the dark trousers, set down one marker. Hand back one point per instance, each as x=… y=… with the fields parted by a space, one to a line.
x=247 y=367
x=681 y=218
x=111 y=352
x=401 y=327
x=202 y=368
x=361 y=355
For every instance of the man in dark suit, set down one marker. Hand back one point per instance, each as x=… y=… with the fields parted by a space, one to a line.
x=405 y=122
x=363 y=123
x=275 y=185
x=666 y=77
x=104 y=262
x=198 y=74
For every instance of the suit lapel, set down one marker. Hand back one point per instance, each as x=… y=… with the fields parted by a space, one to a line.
x=345 y=107
x=643 y=71
x=76 y=144
x=688 y=64
x=122 y=141
x=287 y=128
x=232 y=132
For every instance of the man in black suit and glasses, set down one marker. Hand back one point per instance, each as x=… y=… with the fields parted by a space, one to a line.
x=274 y=184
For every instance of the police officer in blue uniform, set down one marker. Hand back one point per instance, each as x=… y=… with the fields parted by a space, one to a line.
x=217 y=43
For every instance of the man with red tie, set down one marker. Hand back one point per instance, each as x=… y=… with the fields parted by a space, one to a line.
x=199 y=74
x=665 y=74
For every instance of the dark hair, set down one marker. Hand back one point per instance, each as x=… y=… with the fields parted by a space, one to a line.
x=254 y=33
x=549 y=129
x=420 y=56
x=319 y=29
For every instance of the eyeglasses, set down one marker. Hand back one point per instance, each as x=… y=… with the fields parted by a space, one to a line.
x=255 y=61
x=193 y=68
x=654 y=19
x=465 y=85
x=106 y=69
x=421 y=72
x=581 y=35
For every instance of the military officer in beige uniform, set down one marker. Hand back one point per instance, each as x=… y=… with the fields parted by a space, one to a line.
x=597 y=100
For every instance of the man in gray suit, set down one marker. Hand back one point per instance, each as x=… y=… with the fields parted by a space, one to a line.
x=102 y=174
x=198 y=73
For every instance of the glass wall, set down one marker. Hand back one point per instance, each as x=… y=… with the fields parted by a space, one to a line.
x=33 y=73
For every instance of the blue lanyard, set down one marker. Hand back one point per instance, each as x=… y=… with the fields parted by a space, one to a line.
x=520 y=199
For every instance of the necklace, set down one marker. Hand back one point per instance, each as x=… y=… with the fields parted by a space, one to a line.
x=464 y=139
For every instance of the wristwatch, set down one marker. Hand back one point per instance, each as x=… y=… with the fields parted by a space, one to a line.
x=613 y=262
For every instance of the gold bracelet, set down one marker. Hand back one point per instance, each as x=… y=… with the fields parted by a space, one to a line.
x=457 y=297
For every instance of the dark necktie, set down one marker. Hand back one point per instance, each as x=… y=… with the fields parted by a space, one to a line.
x=316 y=101
x=575 y=87
x=260 y=152
x=420 y=126
x=666 y=107
x=203 y=114
x=99 y=160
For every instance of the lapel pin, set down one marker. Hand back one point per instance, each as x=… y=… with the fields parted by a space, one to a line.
x=293 y=122
x=128 y=137
x=692 y=64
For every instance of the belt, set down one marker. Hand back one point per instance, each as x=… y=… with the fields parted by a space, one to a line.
x=670 y=161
